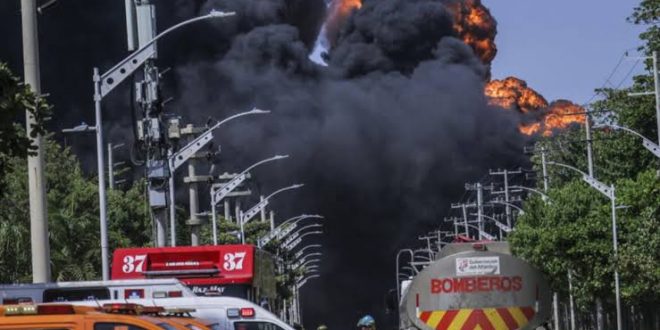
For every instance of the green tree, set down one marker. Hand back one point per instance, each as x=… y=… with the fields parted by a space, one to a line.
x=574 y=230
x=15 y=100
x=73 y=219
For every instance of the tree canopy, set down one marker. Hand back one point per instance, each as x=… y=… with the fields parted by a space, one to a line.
x=573 y=231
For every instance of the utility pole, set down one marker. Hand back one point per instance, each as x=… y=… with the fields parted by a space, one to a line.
x=463 y=207
x=112 y=164
x=480 y=204
x=193 y=180
x=555 y=295
x=544 y=168
x=507 y=198
x=262 y=214
x=656 y=92
x=455 y=222
x=590 y=157
x=40 y=245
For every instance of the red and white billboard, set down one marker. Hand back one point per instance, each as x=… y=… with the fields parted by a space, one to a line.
x=192 y=265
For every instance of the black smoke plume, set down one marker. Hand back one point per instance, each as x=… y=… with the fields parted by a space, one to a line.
x=384 y=137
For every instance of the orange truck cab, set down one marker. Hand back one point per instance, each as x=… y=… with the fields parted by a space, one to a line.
x=77 y=318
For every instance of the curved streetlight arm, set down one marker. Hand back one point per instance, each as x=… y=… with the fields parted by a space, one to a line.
x=294 y=186
x=411 y=268
x=299 y=218
x=224 y=190
x=568 y=167
x=483 y=233
x=509 y=204
x=604 y=189
x=314 y=225
x=297 y=241
x=398 y=269
x=500 y=225
x=199 y=142
x=113 y=77
x=302 y=250
x=648 y=144
x=307 y=263
x=304 y=258
x=303 y=281
x=544 y=196
x=249 y=214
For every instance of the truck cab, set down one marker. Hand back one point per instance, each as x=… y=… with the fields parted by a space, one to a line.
x=226 y=313
x=77 y=318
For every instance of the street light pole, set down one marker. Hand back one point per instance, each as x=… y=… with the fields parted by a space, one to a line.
x=219 y=194
x=100 y=161
x=39 y=243
x=249 y=214
x=104 y=84
x=609 y=192
x=648 y=144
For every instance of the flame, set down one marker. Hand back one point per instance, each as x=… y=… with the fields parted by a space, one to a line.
x=513 y=93
x=339 y=11
x=561 y=114
x=475 y=25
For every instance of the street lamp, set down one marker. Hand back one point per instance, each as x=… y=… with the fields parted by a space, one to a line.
x=502 y=227
x=543 y=195
x=297 y=241
x=481 y=232
x=398 y=257
x=285 y=228
x=224 y=190
x=648 y=144
x=104 y=84
x=302 y=250
x=610 y=193
x=245 y=217
x=495 y=201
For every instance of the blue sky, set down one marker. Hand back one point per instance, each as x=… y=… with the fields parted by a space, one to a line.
x=564 y=48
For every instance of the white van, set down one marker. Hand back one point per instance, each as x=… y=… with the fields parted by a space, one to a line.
x=92 y=290
x=228 y=313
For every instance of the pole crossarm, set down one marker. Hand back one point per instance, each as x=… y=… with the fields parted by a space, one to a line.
x=113 y=77
x=648 y=144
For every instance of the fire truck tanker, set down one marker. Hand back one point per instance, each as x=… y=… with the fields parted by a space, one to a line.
x=475 y=286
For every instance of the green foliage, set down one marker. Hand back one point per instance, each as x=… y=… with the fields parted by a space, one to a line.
x=574 y=231
x=15 y=100
x=73 y=219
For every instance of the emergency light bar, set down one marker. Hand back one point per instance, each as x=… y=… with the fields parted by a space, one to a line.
x=122 y=308
x=234 y=313
x=38 y=310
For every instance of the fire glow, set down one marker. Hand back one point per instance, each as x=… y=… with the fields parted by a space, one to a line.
x=474 y=24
